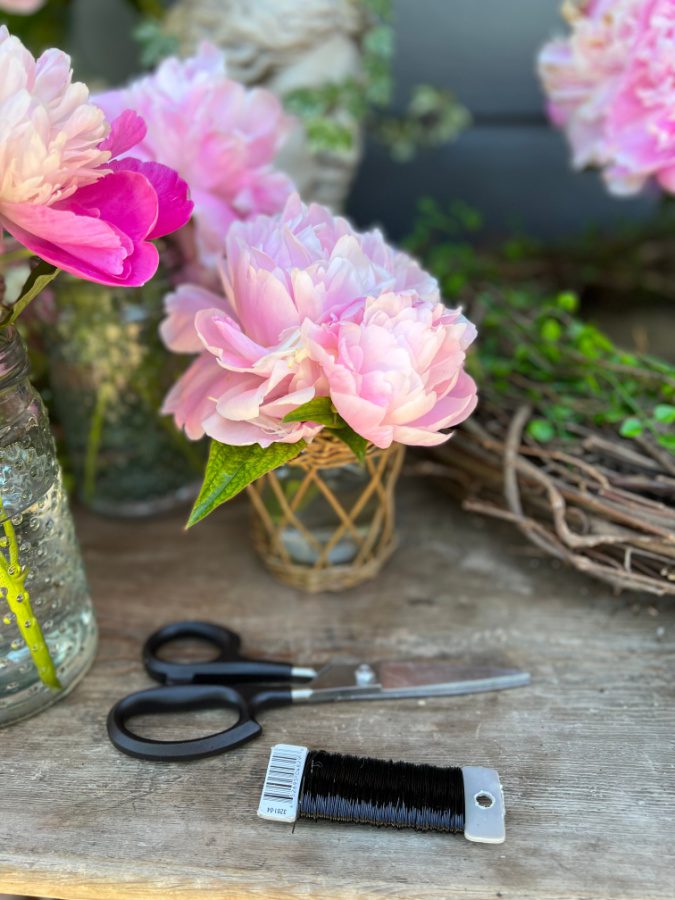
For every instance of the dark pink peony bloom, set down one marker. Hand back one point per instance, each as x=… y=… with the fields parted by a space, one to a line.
x=63 y=193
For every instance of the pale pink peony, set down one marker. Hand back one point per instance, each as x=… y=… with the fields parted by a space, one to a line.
x=611 y=87
x=219 y=135
x=314 y=309
x=63 y=194
x=22 y=7
x=395 y=372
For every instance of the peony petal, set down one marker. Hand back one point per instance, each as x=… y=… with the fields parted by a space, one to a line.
x=127 y=130
x=173 y=206
x=221 y=335
x=192 y=399
x=178 y=328
x=124 y=199
x=80 y=244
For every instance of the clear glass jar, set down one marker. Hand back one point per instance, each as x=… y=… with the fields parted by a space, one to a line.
x=318 y=515
x=325 y=521
x=109 y=373
x=43 y=589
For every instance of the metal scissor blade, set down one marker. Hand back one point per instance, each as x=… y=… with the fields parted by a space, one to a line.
x=407 y=679
x=426 y=678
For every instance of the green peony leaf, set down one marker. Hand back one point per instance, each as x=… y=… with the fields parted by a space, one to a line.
x=230 y=469
x=36 y=282
x=322 y=411
x=319 y=410
x=357 y=444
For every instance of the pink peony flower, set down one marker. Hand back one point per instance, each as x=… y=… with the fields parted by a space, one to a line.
x=314 y=309
x=220 y=136
x=63 y=193
x=22 y=7
x=611 y=87
x=395 y=371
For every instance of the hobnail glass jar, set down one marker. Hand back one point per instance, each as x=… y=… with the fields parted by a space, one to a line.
x=109 y=373
x=43 y=589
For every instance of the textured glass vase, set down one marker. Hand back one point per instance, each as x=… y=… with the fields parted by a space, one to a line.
x=43 y=590
x=109 y=373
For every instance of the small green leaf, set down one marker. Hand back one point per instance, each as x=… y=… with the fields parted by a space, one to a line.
x=230 y=469
x=36 y=282
x=357 y=444
x=631 y=428
x=551 y=330
x=568 y=301
x=319 y=410
x=541 y=430
x=664 y=413
x=667 y=441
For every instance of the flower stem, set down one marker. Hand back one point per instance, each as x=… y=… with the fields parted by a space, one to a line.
x=94 y=441
x=12 y=579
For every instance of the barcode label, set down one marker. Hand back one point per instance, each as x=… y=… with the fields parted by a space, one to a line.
x=281 y=791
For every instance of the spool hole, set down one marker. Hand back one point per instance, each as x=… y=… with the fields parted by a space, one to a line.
x=484 y=800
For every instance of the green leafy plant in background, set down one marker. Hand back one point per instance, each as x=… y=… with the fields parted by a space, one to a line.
x=433 y=116
x=155 y=45
x=536 y=348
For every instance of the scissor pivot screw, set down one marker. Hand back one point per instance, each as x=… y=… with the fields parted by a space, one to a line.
x=364 y=674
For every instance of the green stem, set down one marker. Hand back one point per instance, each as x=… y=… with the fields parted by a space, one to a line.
x=13 y=577
x=94 y=441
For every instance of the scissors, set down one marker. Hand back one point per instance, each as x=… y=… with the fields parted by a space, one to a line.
x=251 y=686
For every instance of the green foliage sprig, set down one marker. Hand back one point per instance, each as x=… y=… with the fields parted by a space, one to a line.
x=534 y=346
x=570 y=371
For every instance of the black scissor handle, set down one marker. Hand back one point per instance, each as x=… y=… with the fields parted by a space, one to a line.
x=188 y=697
x=226 y=668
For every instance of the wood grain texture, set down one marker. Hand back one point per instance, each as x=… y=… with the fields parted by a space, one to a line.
x=586 y=754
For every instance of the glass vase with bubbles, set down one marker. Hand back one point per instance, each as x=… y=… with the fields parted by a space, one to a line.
x=47 y=625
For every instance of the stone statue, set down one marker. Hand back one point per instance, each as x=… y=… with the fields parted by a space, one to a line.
x=285 y=45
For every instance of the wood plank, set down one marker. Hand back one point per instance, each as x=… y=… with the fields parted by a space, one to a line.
x=586 y=753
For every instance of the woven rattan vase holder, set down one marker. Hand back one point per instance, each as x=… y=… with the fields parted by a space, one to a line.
x=362 y=523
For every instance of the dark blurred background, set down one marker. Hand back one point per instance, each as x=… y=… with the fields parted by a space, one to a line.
x=509 y=164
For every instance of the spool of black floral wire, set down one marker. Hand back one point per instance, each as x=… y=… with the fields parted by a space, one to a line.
x=314 y=784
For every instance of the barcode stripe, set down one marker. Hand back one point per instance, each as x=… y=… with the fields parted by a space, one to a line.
x=281 y=790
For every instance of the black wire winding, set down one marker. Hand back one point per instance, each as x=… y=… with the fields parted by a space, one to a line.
x=381 y=792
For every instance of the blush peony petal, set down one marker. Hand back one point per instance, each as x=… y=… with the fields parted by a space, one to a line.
x=221 y=137
x=268 y=309
x=22 y=7
x=193 y=398
x=178 y=328
x=222 y=337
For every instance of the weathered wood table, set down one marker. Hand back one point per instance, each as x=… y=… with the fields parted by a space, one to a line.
x=586 y=754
